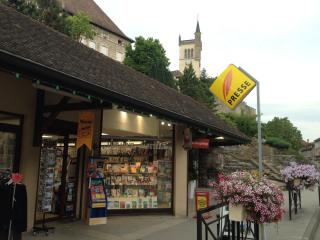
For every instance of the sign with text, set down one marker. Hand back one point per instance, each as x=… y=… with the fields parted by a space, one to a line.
x=85 y=129
x=204 y=197
x=232 y=86
x=200 y=143
x=202 y=200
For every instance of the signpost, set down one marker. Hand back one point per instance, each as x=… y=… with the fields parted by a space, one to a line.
x=231 y=87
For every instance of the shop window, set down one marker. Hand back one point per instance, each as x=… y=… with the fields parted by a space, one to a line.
x=10 y=141
x=136 y=167
x=7 y=150
x=104 y=50
x=137 y=172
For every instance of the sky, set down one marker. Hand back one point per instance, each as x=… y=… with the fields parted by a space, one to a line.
x=276 y=41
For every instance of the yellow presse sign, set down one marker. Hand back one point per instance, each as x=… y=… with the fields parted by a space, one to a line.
x=232 y=86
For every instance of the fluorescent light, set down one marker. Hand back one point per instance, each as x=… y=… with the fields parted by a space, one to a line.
x=221 y=137
x=47 y=136
x=104 y=134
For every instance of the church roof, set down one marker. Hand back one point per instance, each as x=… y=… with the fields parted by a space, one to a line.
x=96 y=14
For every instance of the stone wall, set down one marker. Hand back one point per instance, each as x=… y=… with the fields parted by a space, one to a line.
x=242 y=157
x=114 y=44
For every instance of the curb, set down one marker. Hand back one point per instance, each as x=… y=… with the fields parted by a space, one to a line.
x=312 y=226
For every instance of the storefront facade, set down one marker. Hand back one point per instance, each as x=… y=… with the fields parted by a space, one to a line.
x=137 y=141
x=139 y=161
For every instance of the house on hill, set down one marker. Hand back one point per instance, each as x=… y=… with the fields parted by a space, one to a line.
x=109 y=39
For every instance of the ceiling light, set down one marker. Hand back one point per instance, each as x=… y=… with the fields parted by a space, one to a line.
x=162 y=123
x=221 y=137
x=169 y=124
x=46 y=136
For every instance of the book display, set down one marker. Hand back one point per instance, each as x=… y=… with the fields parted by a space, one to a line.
x=97 y=195
x=138 y=174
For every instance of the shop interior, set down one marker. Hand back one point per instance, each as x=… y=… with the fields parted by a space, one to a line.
x=135 y=162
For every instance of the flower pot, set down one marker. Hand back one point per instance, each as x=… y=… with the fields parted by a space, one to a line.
x=237 y=213
x=296 y=182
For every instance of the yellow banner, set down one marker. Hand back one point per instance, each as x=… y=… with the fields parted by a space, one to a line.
x=232 y=86
x=85 y=129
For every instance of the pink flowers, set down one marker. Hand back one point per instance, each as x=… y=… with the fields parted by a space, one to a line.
x=262 y=199
x=307 y=173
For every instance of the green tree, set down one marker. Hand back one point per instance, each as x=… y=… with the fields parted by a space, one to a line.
x=149 y=57
x=278 y=143
x=205 y=95
x=196 y=88
x=78 y=26
x=50 y=13
x=245 y=123
x=26 y=7
x=283 y=129
x=189 y=84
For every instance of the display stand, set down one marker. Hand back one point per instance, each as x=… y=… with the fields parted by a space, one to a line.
x=97 y=193
x=43 y=228
x=46 y=181
x=204 y=198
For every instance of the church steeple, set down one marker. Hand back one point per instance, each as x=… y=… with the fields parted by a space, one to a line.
x=197 y=41
x=190 y=52
x=198 y=27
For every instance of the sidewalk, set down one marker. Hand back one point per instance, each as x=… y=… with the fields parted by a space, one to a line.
x=173 y=228
x=295 y=229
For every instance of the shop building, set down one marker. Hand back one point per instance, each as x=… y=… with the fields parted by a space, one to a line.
x=47 y=81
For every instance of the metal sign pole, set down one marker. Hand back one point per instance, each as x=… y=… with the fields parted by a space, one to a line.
x=262 y=233
x=259 y=130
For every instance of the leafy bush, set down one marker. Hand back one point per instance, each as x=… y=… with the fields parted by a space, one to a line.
x=278 y=143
